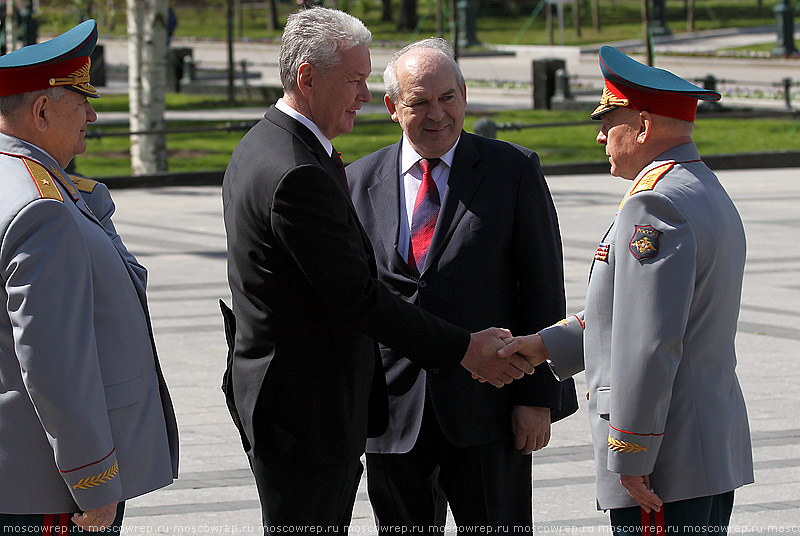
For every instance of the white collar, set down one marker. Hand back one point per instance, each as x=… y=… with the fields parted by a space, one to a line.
x=308 y=123
x=409 y=157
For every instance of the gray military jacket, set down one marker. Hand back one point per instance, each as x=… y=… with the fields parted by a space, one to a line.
x=657 y=338
x=85 y=416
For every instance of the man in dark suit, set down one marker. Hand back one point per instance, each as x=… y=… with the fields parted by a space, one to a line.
x=306 y=383
x=494 y=258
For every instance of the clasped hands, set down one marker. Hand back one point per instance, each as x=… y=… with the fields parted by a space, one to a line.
x=496 y=356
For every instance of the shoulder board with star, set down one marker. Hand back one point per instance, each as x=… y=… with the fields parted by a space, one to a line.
x=45 y=183
x=83 y=184
x=649 y=180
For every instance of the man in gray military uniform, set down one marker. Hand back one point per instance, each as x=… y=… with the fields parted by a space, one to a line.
x=668 y=418
x=86 y=420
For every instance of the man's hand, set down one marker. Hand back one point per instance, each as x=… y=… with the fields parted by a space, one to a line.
x=531 y=347
x=483 y=362
x=531 y=427
x=96 y=520
x=639 y=488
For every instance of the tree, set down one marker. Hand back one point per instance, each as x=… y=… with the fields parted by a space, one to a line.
x=647 y=18
x=147 y=80
x=576 y=16
x=407 y=19
x=387 y=15
x=272 y=15
x=596 y=15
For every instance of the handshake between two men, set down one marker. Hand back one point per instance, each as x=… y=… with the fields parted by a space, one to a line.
x=496 y=356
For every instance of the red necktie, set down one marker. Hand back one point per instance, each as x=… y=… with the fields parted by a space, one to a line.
x=423 y=220
x=337 y=161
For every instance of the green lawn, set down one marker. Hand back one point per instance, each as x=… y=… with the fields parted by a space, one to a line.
x=499 y=22
x=504 y=22
x=208 y=151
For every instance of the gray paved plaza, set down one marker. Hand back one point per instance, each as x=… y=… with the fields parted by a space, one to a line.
x=178 y=234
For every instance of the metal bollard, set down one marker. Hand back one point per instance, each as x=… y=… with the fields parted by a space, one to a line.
x=562 y=92
x=787 y=92
x=784 y=15
x=243 y=63
x=485 y=127
x=188 y=70
x=710 y=82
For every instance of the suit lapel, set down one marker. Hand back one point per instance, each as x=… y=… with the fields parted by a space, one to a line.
x=465 y=177
x=300 y=131
x=384 y=195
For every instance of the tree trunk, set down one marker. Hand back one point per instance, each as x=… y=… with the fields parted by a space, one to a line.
x=576 y=16
x=549 y=23
x=690 y=16
x=439 y=20
x=272 y=15
x=11 y=28
x=648 y=40
x=147 y=80
x=388 y=15
x=454 y=29
x=596 y=15
x=407 y=20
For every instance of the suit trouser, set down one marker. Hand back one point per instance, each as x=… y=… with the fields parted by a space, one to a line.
x=700 y=516
x=303 y=498
x=52 y=524
x=486 y=485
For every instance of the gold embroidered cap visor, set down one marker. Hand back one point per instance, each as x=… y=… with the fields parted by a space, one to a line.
x=630 y=84
x=608 y=102
x=63 y=61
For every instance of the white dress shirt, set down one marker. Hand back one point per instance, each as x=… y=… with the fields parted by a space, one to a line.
x=411 y=175
x=294 y=114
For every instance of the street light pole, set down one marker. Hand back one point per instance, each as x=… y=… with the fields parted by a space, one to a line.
x=648 y=32
x=231 y=89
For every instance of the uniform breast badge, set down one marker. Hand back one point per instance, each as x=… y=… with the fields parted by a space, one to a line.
x=602 y=252
x=644 y=244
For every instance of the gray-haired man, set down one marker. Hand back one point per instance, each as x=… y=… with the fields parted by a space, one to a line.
x=86 y=421
x=494 y=259
x=305 y=379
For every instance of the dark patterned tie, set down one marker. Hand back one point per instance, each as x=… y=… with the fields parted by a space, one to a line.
x=423 y=220
x=337 y=161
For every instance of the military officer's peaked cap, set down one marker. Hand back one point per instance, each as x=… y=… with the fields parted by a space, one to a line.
x=60 y=62
x=630 y=84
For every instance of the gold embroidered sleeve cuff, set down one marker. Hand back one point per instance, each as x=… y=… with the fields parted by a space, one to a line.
x=95 y=484
x=630 y=453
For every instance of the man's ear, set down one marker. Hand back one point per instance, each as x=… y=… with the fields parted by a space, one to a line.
x=390 y=105
x=645 y=126
x=306 y=76
x=39 y=110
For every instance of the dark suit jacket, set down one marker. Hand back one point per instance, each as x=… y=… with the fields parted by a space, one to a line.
x=495 y=260
x=307 y=302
